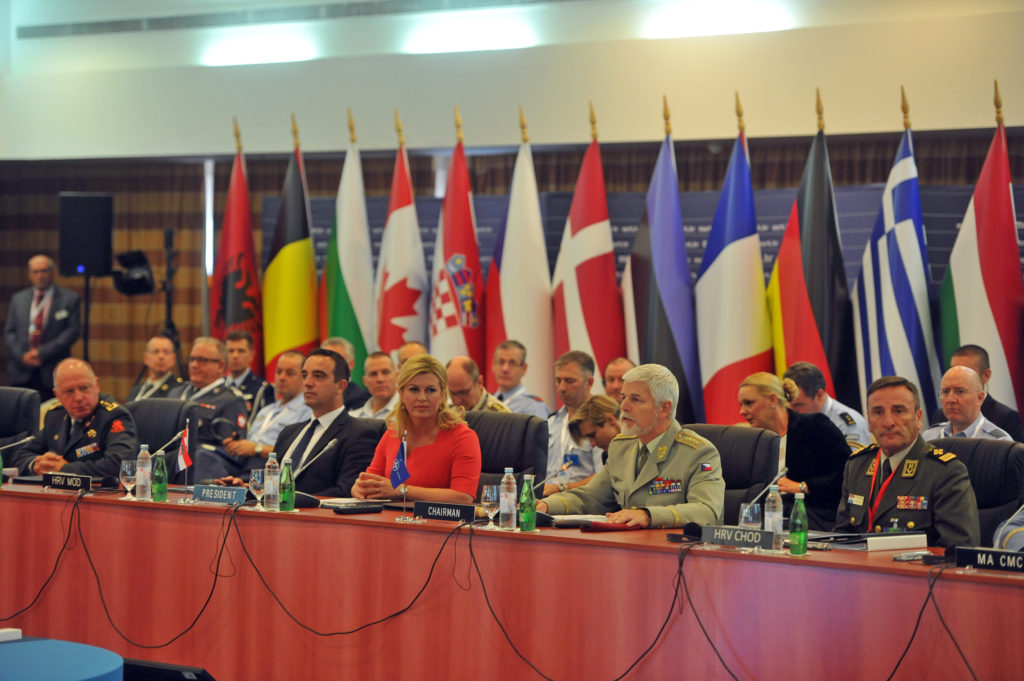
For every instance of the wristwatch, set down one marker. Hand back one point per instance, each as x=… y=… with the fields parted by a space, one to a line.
x=803 y=487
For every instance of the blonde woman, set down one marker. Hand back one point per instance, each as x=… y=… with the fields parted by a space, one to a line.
x=813 y=449
x=442 y=453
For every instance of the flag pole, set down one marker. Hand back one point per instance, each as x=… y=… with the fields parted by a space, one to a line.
x=593 y=122
x=238 y=134
x=458 y=124
x=524 y=135
x=351 y=127
x=997 y=99
x=398 y=129
x=739 y=114
x=905 y=108
x=666 y=114
x=820 y=109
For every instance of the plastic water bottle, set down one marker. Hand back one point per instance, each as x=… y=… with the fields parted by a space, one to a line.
x=507 y=501
x=773 y=515
x=287 y=487
x=527 y=506
x=159 y=477
x=272 y=484
x=798 y=527
x=144 y=475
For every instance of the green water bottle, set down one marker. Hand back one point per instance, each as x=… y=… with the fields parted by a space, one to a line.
x=798 y=527
x=527 y=506
x=287 y=487
x=159 y=477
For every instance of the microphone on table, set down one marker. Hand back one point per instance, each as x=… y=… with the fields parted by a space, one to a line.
x=24 y=440
x=770 y=483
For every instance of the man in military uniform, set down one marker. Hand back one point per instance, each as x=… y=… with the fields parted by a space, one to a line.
x=569 y=461
x=159 y=360
x=223 y=412
x=256 y=391
x=976 y=357
x=84 y=432
x=903 y=483
x=509 y=366
x=466 y=386
x=812 y=399
x=962 y=395
x=659 y=474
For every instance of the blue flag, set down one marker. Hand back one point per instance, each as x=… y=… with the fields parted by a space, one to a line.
x=399 y=473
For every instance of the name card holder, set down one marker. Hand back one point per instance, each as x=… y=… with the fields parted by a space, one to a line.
x=990 y=559
x=215 y=494
x=68 y=481
x=434 y=510
x=727 y=535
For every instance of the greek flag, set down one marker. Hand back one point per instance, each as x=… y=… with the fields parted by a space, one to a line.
x=399 y=473
x=892 y=320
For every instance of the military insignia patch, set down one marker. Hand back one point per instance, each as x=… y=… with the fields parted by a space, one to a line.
x=662 y=453
x=115 y=427
x=241 y=421
x=663 y=486
x=947 y=457
x=907 y=503
x=847 y=418
x=871 y=468
x=909 y=468
x=855 y=500
x=705 y=467
x=91 y=432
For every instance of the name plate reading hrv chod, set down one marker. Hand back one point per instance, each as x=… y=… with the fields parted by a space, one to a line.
x=434 y=510
x=727 y=535
x=215 y=494
x=990 y=559
x=71 y=481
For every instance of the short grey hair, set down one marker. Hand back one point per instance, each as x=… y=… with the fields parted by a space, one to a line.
x=663 y=385
x=349 y=350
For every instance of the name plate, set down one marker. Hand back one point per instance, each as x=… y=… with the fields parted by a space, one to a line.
x=435 y=510
x=215 y=494
x=71 y=481
x=990 y=559
x=727 y=535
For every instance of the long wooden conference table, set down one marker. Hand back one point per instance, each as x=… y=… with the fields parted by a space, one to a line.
x=576 y=605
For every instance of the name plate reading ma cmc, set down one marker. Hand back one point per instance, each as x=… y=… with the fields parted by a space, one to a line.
x=990 y=559
x=215 y=494
x=434 y=510
x=71 y=481
x=727 y=535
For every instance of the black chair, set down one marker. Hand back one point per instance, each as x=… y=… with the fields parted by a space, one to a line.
x=157 y=420
x=996 y=469
x=750 y=458
x=19 y=414
x=507 y=439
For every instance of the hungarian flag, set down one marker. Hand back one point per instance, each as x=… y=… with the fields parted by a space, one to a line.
x=733 y=326
x=519 y=283
x=982 y=296
x=807 y=294
x=346 y=284
x=456 y=306
x=587 y=302
x=401 y=286
x=235 y=291
x=662 y=294
x=289 y=284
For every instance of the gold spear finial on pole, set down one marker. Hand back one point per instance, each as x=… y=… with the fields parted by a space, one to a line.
x=351 y=127
x=820 y=109
x=398 y=129
x=238 y=134
x=739 y=113
x=998 y=101
x=905 y=108
x=666 y=114
x=593 y=122
x=458 y=124
x=295 y=132
x=525 y=136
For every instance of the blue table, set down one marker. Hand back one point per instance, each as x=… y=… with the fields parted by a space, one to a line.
x=43 y=659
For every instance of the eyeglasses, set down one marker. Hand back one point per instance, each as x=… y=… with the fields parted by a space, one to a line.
x=204 y=360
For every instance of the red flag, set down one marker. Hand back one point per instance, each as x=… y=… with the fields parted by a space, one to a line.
x=456 y=307
x=587 y=302
x=235 y=293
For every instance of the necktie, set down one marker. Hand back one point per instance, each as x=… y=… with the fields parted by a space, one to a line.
x=299 y=453
x=641 y=459
x=883 y=474
x=76 y=430
x=36 y=337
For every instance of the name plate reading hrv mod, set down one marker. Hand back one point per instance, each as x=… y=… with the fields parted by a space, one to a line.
x=215 y=494
x=727 y=535
x=990 y=559
x=434 y=510
x=70 y=481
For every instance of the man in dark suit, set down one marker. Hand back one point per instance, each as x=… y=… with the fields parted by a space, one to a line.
x=976 y=357
x=320 y=467
x=42 y=325
x=355 y=394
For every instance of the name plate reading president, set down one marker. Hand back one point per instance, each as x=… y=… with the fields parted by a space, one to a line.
x=215 y=494
x=990 y=559
x=727 y=535
x=71 y=481
x=435 y=510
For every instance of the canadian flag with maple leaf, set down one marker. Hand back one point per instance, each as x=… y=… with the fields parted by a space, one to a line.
x=401 y=284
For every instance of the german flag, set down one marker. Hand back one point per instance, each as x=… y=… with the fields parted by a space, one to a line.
x=289 y=284
x=808 y=296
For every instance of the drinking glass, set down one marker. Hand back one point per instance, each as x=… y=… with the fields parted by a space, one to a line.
x=750 y=516
x=128 y=478
x=489 y=498
x=256 y=486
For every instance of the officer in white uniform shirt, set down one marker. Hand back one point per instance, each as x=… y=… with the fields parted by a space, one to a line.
x=812 y=399
x=381 y=378
x=567 y=461
x=962 y=394
x=509 y=366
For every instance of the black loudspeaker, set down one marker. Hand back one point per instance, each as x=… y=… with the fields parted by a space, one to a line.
x=144 y=670
x=86 y=244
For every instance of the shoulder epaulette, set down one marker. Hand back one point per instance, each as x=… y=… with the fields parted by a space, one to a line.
x=866 y=449
x=234 y=391
x=53 y=406
x=691 y=439
x=941 y=455
x=845 y=416
x=109 y=405
x=623 y=436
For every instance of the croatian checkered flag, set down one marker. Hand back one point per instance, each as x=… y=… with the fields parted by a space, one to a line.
x=399 y=473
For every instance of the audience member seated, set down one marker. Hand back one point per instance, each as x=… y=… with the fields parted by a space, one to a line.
x=159 y=360
x=428 y=438
x=86 y=432
x=466 y=386
x=810 y=446
x=659 y=474
x=976 y=357
x=812 y=399
x=509 y=366
x=612 y=376
x=380 y=377
x=962 y=395
x=355 y=394
x=256 y=392
x=902 y=483
x=596 y=422
x=568 y=460
x=410 y=349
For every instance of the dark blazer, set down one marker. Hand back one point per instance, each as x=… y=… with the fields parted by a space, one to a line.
x=355 y=395
x=816 y=453
x=60 y=331
x=334 y=472
x=998 y=414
